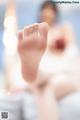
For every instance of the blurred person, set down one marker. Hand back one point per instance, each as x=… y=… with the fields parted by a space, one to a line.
x=43 y=83
x=54 y=49
x=48 y=12
x=61 y=45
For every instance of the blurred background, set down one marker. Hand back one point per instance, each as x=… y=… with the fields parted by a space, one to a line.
x=14 y=15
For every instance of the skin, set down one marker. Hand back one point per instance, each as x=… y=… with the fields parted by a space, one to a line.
x=35 y=44
x=32 y=47
x=48 y=15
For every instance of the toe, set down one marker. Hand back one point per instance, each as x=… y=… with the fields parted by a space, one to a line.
x=43 y=29
x=20 y=40
x=31 y=29
x=20 y=35
x=31 y=35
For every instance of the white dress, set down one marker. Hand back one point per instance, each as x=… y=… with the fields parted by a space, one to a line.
x=61 y=67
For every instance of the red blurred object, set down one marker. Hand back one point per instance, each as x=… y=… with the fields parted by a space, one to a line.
x=60 y=44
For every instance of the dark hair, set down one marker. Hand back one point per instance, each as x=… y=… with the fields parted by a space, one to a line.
x=49 y=3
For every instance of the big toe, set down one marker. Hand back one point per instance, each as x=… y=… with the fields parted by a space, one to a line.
x=43 y=29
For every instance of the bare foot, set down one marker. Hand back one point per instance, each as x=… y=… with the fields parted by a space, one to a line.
x=31 y=46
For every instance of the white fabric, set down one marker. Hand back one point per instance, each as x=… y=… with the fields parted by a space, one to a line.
x=61 y=67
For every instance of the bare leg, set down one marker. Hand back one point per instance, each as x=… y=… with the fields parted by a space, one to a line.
x=31 y=47
x=47 y=104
